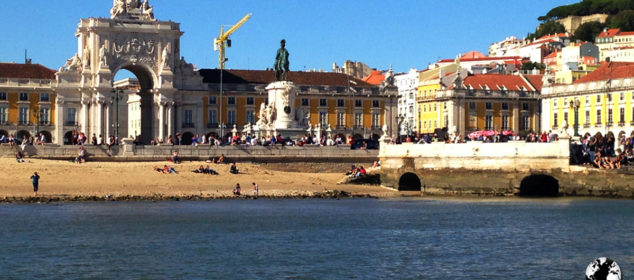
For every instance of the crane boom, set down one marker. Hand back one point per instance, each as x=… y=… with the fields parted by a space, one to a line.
x=220 y=43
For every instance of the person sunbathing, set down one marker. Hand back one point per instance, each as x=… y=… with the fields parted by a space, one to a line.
x=221 y=159
x=157 y=169
x=211 y=171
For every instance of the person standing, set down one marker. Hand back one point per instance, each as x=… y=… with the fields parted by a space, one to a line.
x=256 y=189
x=36 y=181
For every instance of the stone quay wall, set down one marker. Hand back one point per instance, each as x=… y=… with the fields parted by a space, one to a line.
x=128 y=152
x=494 y=169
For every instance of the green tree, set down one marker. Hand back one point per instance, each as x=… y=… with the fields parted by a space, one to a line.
x=529 y=65
x=588 y=7
x=548 y=27
x=623 y=20
x=588 y=31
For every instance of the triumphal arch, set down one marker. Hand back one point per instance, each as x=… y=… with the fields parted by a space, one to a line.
x=87 y=98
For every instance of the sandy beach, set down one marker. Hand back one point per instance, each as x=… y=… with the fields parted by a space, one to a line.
x=65 y=179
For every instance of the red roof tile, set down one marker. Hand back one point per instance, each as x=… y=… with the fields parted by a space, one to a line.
x=472 y=55
x=609 y=70
x=375 y=78
x=481 y=59
x=496 y=81
x=268 y=76
x=25 y=71
x=536 y=81
x=609 y=33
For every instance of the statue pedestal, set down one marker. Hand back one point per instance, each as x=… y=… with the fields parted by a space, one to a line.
x=282 y=99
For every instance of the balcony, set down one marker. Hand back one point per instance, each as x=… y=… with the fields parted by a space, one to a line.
x=189 y=125
x=376 y=127
x=357 y=127
x=70 y=123
x=45 y=123
x=23 y=123
x=341 y=127
x=621 y=123
x=586 y=125
x=598 y=124
x=212 y=125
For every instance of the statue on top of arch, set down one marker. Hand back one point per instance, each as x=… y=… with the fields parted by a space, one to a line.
x=132 y=8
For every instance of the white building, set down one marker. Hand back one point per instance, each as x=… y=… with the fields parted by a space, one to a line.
x=407 y=84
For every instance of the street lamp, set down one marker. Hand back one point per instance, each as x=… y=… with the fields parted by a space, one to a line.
x=115 y=99
x=37 y=114
x=574 y=104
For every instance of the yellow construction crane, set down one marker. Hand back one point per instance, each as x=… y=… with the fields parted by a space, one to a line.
x=222 y=41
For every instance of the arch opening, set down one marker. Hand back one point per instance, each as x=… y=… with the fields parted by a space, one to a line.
x=539 y=185
x=135 y=111
x=187 y=138
x=48 y=137
x=21 y=135
x=409 y=182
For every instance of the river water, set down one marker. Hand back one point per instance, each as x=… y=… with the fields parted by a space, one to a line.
x=315 y=239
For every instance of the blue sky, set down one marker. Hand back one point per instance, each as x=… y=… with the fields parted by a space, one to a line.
x=405 y=34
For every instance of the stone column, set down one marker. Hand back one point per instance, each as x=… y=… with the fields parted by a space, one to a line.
x=170 y=128
x=161 y=115
x=84 y=114
x=516 y=117
x=107 y=123
x=99 y=119
x=58 y=138
x=462 y=118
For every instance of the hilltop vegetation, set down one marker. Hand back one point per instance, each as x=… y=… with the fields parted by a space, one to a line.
x=589 y=7
x=621 y=15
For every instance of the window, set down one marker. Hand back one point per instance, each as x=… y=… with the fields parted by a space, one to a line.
x=231 y=100
x=323 y=102
x=610 y=97
x=621 y=96
x=505 y=106
x=621 y=115
x=188 y=118
x=45 y=116
x=304 y=101
x=488 y=105
x=525 y=106
x=472 y=105
x=473 y=122
x=23 y=117
x=231 y=117
x=610 y=116
x=587 y=117
x=71 y=116
x=323 y=118
x=3 y=115
x=488 y=122
x=45 y=97
x=3 y=96
x=555 y=120
x=250 y=101
x=213 y=100
x=358 y=103
x=376 y=118
x=213 y=117
x=24 y=96
x=250 y=116
x=566 y=117
x=526 y=122
x=375 y=103
x=599 y=119
x=341 y=119
x=340 y=103
x=598 y=98
x=505 y=122
x=358 y=119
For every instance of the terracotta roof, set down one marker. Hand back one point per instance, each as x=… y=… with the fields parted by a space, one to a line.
x=626 y=33
x=609 y=70
x=536 y=81
x=481 y=59
x=472 y=55
x=558 y=35
x=496 y=81
x=25 y=71
x=268 y=76
x=375 y=78
x=552 y=55
x=609 y=33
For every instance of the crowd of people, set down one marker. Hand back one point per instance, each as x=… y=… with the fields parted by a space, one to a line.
x=252 y=140
x=607 y=152
x=41 y=139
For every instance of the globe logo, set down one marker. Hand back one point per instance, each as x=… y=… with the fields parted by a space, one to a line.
x=603 y=269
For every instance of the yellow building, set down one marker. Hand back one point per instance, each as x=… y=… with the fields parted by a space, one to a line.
x=349 y=106
x=601 y=101
x=490 y=102
x=429 y=83
x=27 y=101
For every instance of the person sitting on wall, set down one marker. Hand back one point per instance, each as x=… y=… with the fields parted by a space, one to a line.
x=221 y=159
x=352 y=170
x=234 y=169
x=19 y=157
x=175 y=158
x=81 y=155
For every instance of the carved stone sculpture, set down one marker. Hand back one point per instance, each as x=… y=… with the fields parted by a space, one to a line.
x=118 y=8
x=281 y=63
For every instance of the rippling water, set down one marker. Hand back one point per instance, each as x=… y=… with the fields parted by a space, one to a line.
x=315 y=239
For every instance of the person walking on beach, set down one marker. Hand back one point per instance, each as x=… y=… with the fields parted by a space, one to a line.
x=255 y=189
x=36 y=181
